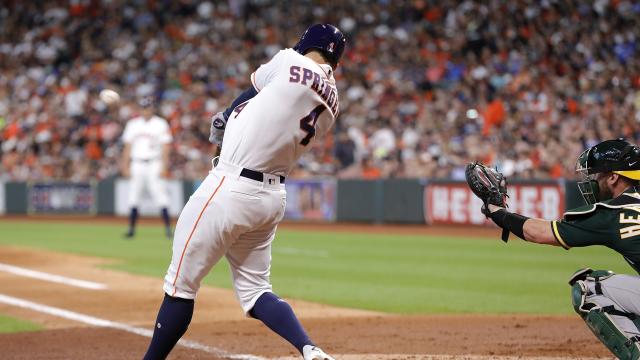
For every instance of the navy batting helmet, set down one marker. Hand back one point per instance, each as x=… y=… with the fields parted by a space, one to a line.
x=325 y=38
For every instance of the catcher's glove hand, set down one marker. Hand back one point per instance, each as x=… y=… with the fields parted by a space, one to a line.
x=218 y=124
x=489 y=185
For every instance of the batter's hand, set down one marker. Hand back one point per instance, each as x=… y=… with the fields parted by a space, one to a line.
x=218 y=124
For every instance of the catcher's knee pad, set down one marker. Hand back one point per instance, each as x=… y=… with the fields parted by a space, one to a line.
x=602 y=325
x=598 y=318
x=586 y=275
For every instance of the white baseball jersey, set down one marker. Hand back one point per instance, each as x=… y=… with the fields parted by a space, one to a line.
x=297 y=101
x=235 y=216
x=146 y=137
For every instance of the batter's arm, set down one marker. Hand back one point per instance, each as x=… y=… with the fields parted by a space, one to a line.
x=165 y=160
x=219 y=120
x=245 y=96
x=126 y=160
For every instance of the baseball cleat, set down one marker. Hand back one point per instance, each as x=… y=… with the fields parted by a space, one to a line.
x=310 y=352
x=129 y=235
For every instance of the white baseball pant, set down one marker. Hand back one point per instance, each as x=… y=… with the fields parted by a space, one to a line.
x=232 y=216
x=147 y=174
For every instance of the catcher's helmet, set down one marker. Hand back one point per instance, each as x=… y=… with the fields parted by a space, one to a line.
x=617 y=156
x=325 y=38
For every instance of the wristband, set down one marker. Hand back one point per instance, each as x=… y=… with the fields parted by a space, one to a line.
x=515 y=223
x=509 y=221
x=498 y=217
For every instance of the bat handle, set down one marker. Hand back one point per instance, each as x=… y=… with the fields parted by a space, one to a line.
x=216 y=155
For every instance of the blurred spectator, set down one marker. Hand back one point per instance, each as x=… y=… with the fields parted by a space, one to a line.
x=425 y=86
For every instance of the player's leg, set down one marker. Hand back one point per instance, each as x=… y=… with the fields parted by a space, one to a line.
x=136 y=184
x=200 y=240
x=624 y=291
x=606 y=303
x=158 y=189
x=250 y=262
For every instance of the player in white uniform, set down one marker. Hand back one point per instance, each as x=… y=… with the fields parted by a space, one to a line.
x=145 y=161
x=235 y=211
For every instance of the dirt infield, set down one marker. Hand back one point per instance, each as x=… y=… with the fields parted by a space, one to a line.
x=221 y=331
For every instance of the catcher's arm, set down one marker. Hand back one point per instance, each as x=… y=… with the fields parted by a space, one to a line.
x=534 y=230
x=491 y=187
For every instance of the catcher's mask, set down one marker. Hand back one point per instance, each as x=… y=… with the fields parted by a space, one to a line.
x=617 y=156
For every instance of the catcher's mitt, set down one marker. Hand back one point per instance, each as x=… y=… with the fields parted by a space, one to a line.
x=489 y=185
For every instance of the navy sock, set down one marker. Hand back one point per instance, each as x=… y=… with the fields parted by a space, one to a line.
x=172 y=322
x=279 y=317
x=133 y=217
x=165 y=217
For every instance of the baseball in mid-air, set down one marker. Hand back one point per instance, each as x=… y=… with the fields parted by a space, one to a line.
x=109 y=96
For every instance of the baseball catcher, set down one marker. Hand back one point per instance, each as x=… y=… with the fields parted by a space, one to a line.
x=609 y=303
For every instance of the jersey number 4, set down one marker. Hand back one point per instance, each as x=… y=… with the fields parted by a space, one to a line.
x=308 y=124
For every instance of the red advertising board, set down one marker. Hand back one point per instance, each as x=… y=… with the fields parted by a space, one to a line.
x=454 y=203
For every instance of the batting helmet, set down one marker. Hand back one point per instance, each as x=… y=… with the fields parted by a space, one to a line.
x=325 y=38
x=617 y=156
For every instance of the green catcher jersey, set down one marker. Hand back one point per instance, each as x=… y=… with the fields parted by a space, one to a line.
x=614 y=223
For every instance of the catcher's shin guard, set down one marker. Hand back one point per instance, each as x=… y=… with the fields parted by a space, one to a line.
x=603 y=326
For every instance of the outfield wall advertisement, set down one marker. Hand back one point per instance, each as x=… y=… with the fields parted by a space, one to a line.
x=147 y=207
x=311 y=200
x=454 y=203
x=3 y=199
x=61 y=198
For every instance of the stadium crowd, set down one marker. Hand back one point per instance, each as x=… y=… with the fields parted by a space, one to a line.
x=425 y=86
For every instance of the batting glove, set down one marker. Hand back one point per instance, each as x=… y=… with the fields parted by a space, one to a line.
x=218 y=124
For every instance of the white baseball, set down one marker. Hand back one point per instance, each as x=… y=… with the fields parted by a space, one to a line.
x=109 y=96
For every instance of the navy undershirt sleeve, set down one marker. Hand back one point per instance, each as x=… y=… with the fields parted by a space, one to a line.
x=245 y=96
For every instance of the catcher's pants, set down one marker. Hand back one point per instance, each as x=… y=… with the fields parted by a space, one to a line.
x=623 y=292
x=147 y=174
x=232 y=216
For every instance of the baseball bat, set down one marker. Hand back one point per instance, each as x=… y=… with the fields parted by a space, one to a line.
x=216 y=155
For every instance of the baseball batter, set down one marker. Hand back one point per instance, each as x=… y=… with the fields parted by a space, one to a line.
x=609 y=303
x=235 y=211
x=145 y=161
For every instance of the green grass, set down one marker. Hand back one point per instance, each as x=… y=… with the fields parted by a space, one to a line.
x=391 y=273
x=11 y=325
